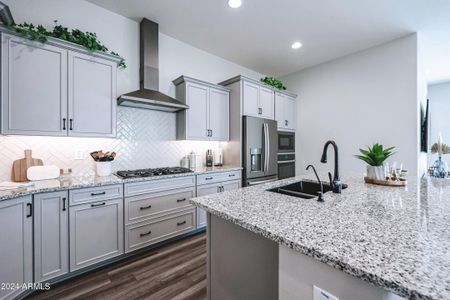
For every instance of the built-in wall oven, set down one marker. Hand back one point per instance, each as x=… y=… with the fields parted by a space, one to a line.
x=286 y=154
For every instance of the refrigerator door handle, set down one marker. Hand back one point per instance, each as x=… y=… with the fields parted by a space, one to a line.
x=266 y=147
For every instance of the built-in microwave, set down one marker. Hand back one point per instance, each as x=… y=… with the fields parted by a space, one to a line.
x=286 y=141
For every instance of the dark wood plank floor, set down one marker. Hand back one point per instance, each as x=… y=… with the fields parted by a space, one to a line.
x=176 y=271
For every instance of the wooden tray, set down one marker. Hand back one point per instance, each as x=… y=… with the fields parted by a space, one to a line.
x=386 y=182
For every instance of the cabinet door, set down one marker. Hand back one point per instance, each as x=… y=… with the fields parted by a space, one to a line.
x=92 y=96
x=203 y=190
x=251 y=99
x=51 y=235
x=197 y=115
x=16 y=249
x=231 y=185
x=290 y=109
x=96 y=232
x=219 y=115
x=33 y=88
x=266 y=103
x=280 y=110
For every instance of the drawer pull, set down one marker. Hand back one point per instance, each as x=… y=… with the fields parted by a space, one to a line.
x=145 y=207
x=209 y=178
x=99 y=204
x=231 y=175
x=181 y=200
x=145 y=234
x=181 y=223
x=98 y=194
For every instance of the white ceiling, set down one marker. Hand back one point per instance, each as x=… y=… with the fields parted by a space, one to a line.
x=259 y=34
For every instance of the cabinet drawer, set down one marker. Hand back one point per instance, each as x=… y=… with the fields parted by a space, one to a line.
x=144 y=234
x=85 y=195
x=218 y=177
x=158 y=185
x=146 y=206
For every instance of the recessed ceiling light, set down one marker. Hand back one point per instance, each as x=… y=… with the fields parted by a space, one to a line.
x=234 y=3
x=296 y=45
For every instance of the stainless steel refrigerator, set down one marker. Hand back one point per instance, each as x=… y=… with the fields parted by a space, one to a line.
x=260 y=146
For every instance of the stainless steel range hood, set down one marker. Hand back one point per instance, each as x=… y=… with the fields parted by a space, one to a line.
x=148 y=96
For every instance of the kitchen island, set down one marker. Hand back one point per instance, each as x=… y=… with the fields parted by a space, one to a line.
x=370 y=242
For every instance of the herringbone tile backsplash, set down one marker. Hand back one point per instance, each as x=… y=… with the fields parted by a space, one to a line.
x=145 y=139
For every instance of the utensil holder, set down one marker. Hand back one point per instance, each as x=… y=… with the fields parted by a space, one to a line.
x=104 y=168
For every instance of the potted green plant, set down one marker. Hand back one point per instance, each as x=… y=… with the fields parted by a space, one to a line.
x=374 y=157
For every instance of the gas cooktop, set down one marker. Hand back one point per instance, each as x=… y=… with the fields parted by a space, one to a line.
x=152 y=172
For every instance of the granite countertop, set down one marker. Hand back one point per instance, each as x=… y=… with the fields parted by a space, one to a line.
x=396 y=238
x=65 y=183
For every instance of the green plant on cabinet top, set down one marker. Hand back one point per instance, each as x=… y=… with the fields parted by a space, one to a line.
x=375 y=155
x=76 y=36
x=273 y=82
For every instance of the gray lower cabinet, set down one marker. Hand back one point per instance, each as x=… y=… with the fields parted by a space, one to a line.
x=51 y=235
x=16 y=251
x=156 y=230
x=213 y=188
x=157 y=210
x=96 y=232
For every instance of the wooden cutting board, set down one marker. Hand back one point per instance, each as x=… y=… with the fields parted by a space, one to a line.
x=20 y=166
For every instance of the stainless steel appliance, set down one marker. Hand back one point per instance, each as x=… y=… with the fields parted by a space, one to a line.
x=152 y=172
x=286 y=141
x=286 y=165
x=286 y=154
x=148 y=96
x=259 y=151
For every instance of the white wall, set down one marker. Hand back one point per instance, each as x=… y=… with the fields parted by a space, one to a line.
x=439 y=95
x=358 y=100
x=145 y=138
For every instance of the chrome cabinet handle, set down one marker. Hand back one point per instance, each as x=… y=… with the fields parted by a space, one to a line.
x=64 y=204
x=98 y=194
x=100 y=204
x=181 y=223
x=181 y=200
x=145 y=207
x=145 y=234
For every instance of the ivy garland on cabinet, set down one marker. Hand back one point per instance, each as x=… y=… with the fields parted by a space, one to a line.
x=84 y=38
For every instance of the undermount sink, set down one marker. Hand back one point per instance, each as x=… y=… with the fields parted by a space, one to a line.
x=306 y=189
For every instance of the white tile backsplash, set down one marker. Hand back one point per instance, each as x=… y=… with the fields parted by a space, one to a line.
x=145 y=139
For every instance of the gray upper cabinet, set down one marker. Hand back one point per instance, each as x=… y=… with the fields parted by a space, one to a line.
x=255 y=98
x=251 y=99
x=56 y=89
x=258 y=101
x=219 y=114
x=207 y=117
x=266 y=103
x=285 y=111
x=16 y=251
x=33 y=87
x=51 y=235
x=92 y=94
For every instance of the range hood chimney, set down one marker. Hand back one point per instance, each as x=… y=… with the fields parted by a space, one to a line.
x=148 y=96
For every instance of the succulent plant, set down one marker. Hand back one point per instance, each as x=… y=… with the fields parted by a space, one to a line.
x=375 y=155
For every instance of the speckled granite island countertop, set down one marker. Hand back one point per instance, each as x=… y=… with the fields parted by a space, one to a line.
x=392 y=237
x=93 y=181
